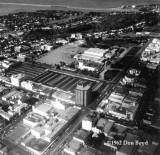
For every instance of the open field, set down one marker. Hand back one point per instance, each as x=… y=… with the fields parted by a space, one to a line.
x=62 y=81
x=29 y=69
x=63 y=53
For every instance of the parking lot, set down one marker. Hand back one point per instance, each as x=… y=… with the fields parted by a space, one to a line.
x=31 y=70
x=62 y=81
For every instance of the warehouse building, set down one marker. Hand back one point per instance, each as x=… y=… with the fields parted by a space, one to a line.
x=93 y=54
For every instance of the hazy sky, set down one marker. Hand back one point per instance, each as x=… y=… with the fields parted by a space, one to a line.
x=85 y=3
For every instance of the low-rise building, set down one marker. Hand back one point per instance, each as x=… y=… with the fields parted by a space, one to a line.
x=73 y=147
x=16 y=79
x=108 y=127
x=42 y=109
x=89 y=65
x=9 y=95
x=89 y=121
x=29 y=85
x=63 y=96
x=93 y=54
x=46 y=47
x=81 y=136
x=128 y=145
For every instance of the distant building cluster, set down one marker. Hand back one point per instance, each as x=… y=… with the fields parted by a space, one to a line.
x=17 y=102
x=152 y=51
x=123 y=102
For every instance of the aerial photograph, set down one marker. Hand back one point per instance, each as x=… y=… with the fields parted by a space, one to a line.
x=79 y=77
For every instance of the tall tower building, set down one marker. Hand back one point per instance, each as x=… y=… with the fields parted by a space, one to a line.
x=83 y=94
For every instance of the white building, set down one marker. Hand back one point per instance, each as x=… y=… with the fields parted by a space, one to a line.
x=38 y=131
x=27 y=85
x=8 y=96
x=93 y=54
x=42 y=109
x=46 y=47
x=16 y=79
x=61 y=41
x=91 y=66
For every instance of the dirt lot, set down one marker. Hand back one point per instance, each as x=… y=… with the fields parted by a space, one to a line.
x=63 y=53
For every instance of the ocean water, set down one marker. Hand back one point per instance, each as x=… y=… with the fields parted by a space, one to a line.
x=85 y=3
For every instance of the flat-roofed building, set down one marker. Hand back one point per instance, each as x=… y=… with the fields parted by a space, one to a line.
x=29 y=85
x=148 y=148
x=3 y=89
x=16 y=108
x=128 y=146
x=42 y=109
x=46 y=47
x=50 y=126
x=88 y=122
x=16 y=79
x=108 y=127
x=67 y=97
x=32 y=119
x=5 y=79
x=10 y=95
x=55 y=132
x=81 y=135
x=73 y=147
x=89 y=65
x=68 y=114
x=5 y=115
x=93 y=54
x=101 y=122
x=38 y=130
x=60 y=104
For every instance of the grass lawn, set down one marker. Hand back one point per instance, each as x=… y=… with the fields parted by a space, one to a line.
x=63 y=53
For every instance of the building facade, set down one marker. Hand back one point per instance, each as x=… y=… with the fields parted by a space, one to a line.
x=83 y=94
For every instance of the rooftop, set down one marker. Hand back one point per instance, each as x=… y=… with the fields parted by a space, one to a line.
x=73 y=146
x=45 y=108
x=68 y=113
x=127 y=149
x=95 y=51
x=63 y=95
x=102 y=122
x=81 y=134
x=18 y=76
